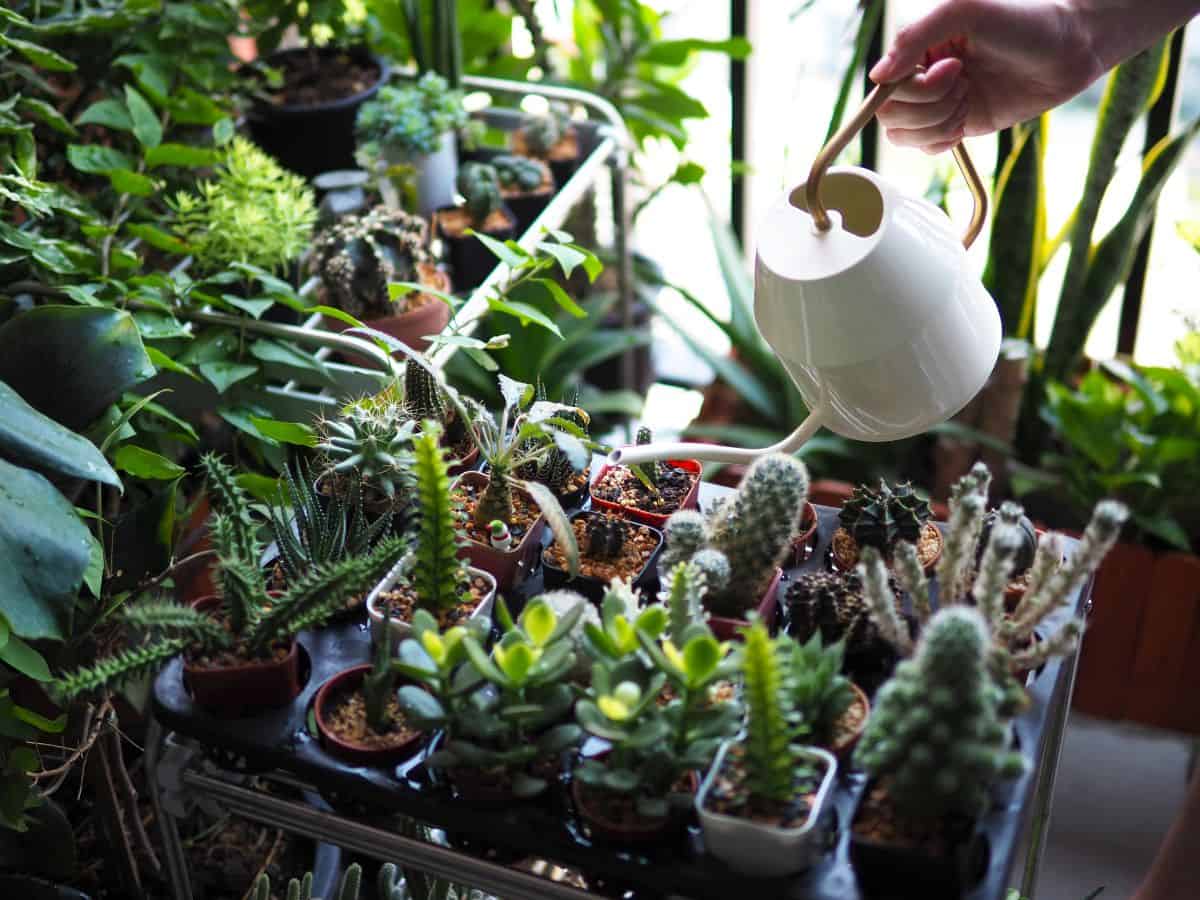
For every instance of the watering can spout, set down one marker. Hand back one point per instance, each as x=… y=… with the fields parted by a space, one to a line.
x=632 y=456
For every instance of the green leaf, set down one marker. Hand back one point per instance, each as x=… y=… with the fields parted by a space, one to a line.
x=224 y=374
x=286 y=432
x=561 y=297
x=46 y=114
x=334 y=313
x=24 y=659
x=34 y=439
x=109 y=113
x=144 y=463
x=254 y=306
x=500 y=250
x=223 y=132
x=146 y=127
x=157 y=238
x=676 y=53
x=524 y=313
x=96 y=159
x=44 y=551
x=150 y=71
x=93 y=575
x=189 y=107
x=40 y=56
x=160 y=360
x=126 y=182
x=569 y=258
x=289 y=355
x=181 y=155
x=72 y=362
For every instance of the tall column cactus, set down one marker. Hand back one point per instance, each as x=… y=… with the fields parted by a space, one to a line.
x=423 y=395
x=936 y=731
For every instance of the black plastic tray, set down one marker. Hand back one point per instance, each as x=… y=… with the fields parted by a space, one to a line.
x=279 y=739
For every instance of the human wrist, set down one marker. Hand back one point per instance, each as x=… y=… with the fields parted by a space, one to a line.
x=1114 y=30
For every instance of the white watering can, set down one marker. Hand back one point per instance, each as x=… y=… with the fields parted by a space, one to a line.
x=866 y=297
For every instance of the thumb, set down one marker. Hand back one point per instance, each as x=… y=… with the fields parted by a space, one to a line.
x=951 y=19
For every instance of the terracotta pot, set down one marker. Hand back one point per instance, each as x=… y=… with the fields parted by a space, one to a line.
x=357 y=754
x=243 y=689
x=505 y=566
x=843 y=748
x=729 y=629
x=409 y=328
x=657 y=520
x=804 y=543
x=645 y=831
x=466 y=464
x=595 y=588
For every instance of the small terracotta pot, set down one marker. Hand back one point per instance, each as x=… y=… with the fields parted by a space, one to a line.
x=804 y=543
x=504 y=566
x=409 y=328
x=466 y=464
x=646 y=831
x=658 y=520
x=843 y=748
x=243 y=689
x=357 y=754
x=730 y=629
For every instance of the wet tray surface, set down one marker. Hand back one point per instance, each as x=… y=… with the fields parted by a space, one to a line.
x=280 y=740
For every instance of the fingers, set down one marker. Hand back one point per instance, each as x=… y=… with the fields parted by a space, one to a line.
x=898 y=114
x=933 y=138
x=951 y=19
x=933 y=84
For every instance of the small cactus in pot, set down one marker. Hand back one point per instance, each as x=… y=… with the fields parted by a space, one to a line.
x=482 y=211
x=881 y=518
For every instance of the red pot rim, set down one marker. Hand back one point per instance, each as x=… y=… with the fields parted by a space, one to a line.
x=766 y=609
x=348 y=750
x=657 y=520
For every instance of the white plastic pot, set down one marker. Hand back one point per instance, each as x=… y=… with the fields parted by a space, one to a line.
x=766 y=851
x=400 y=630
x=435 y=174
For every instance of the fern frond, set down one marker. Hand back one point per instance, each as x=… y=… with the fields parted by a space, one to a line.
x=125 y=666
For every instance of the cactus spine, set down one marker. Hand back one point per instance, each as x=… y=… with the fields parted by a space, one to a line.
x=936 y=732
x=423 y=395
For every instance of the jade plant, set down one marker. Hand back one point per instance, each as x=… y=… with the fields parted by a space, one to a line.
x=248 y=621
x=370 y=444
x=752 y=530
x=936 y=733
x=820 y=692
x=962 y=580
x=252 y=211
x=310 y=530
x=512 y=708
x=883 y=517
x=357 y=257
x=480 y=187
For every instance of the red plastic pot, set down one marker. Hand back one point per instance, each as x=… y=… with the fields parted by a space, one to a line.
x=238 y=690
x=504 y=566
x=357 y=754
x=658 y=520
x=729 y=629
x=804 y=543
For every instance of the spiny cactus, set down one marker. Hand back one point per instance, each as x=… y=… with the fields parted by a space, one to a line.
x=683 y=588
x=423 y=397
x=968 y=502
x=301 y=889
x=1013 y=515
x=832 y=604
x=652 y=470
x=606 y=536
x=518 y=173
x=390 y=884
x=542 y=133
x=936 y=733
x=770 y=742
x=714 y=567
x=357 y=257
x=438 y=577
x=684 y=537
x=883 y=517
x=555 y=469
x=121 y=668
x=371 y=444
x=379 y=684
x=480 y=187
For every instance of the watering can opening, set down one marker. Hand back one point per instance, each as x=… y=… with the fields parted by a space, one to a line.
x=853 y=194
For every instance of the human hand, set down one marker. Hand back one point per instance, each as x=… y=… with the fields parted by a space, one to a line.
x=991 y=64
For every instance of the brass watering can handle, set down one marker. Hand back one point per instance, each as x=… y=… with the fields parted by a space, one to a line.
x=839 y=141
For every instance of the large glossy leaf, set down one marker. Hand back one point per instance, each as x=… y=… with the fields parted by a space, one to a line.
x=44 y=551
x=72 y=362
x=33 y=439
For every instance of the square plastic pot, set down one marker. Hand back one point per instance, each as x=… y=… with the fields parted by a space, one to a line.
x=657 y=520
x=595 y=588
x=508 y=567
x=400 y=630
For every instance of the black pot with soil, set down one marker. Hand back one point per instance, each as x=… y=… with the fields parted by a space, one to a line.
x=470 y=261
x=308 y=122
x=609 y=547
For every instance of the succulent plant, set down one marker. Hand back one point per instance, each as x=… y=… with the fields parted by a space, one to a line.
x=480 y=187
x=606 y=536
x=357 y=257
x=832 y=604
x=1013 y=515
x=652 y=471
x=542 y=133
x=555 y=468
x=438 y=577
x=684 y=537
x=752 y=530
x=936 y=732
x=409 y=119
x=820 y=692
x=301 y=889
x=518 y=173
x=423 y=398
x=882 y=518
x=379 y=684
x=371 y=443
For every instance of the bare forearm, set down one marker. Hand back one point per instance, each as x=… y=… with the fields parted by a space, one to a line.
x=1117 y=29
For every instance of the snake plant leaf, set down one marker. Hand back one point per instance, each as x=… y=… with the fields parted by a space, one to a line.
x=44 y=551
x=1131 y=88
x=36 y=440
x=72 y=362
x=1019 y=231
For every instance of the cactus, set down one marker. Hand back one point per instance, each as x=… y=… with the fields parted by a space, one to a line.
x=682 y=590
x=652 y=471
x=714 y=567
x=480 y=187
x=359 y=255
x=606 y=536
x=754 y=529
x=423 y=397
x=936 y=733
x=438 y=577
x=542 y=133
x=518 y=173
x=684 y=535
x=1027 y=544
x=351 y=883
x=882 y=518
x=769 y=746
x=390 y=884
x=832 y=604
x=881 y=600
x=379 y=684
x=370 y=443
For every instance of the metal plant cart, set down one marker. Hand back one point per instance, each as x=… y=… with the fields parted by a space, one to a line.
x=374 y=808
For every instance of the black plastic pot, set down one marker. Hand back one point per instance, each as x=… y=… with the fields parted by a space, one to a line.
x=470 y=261
x=315 y=138
x=594 y=588
x=898 y=873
